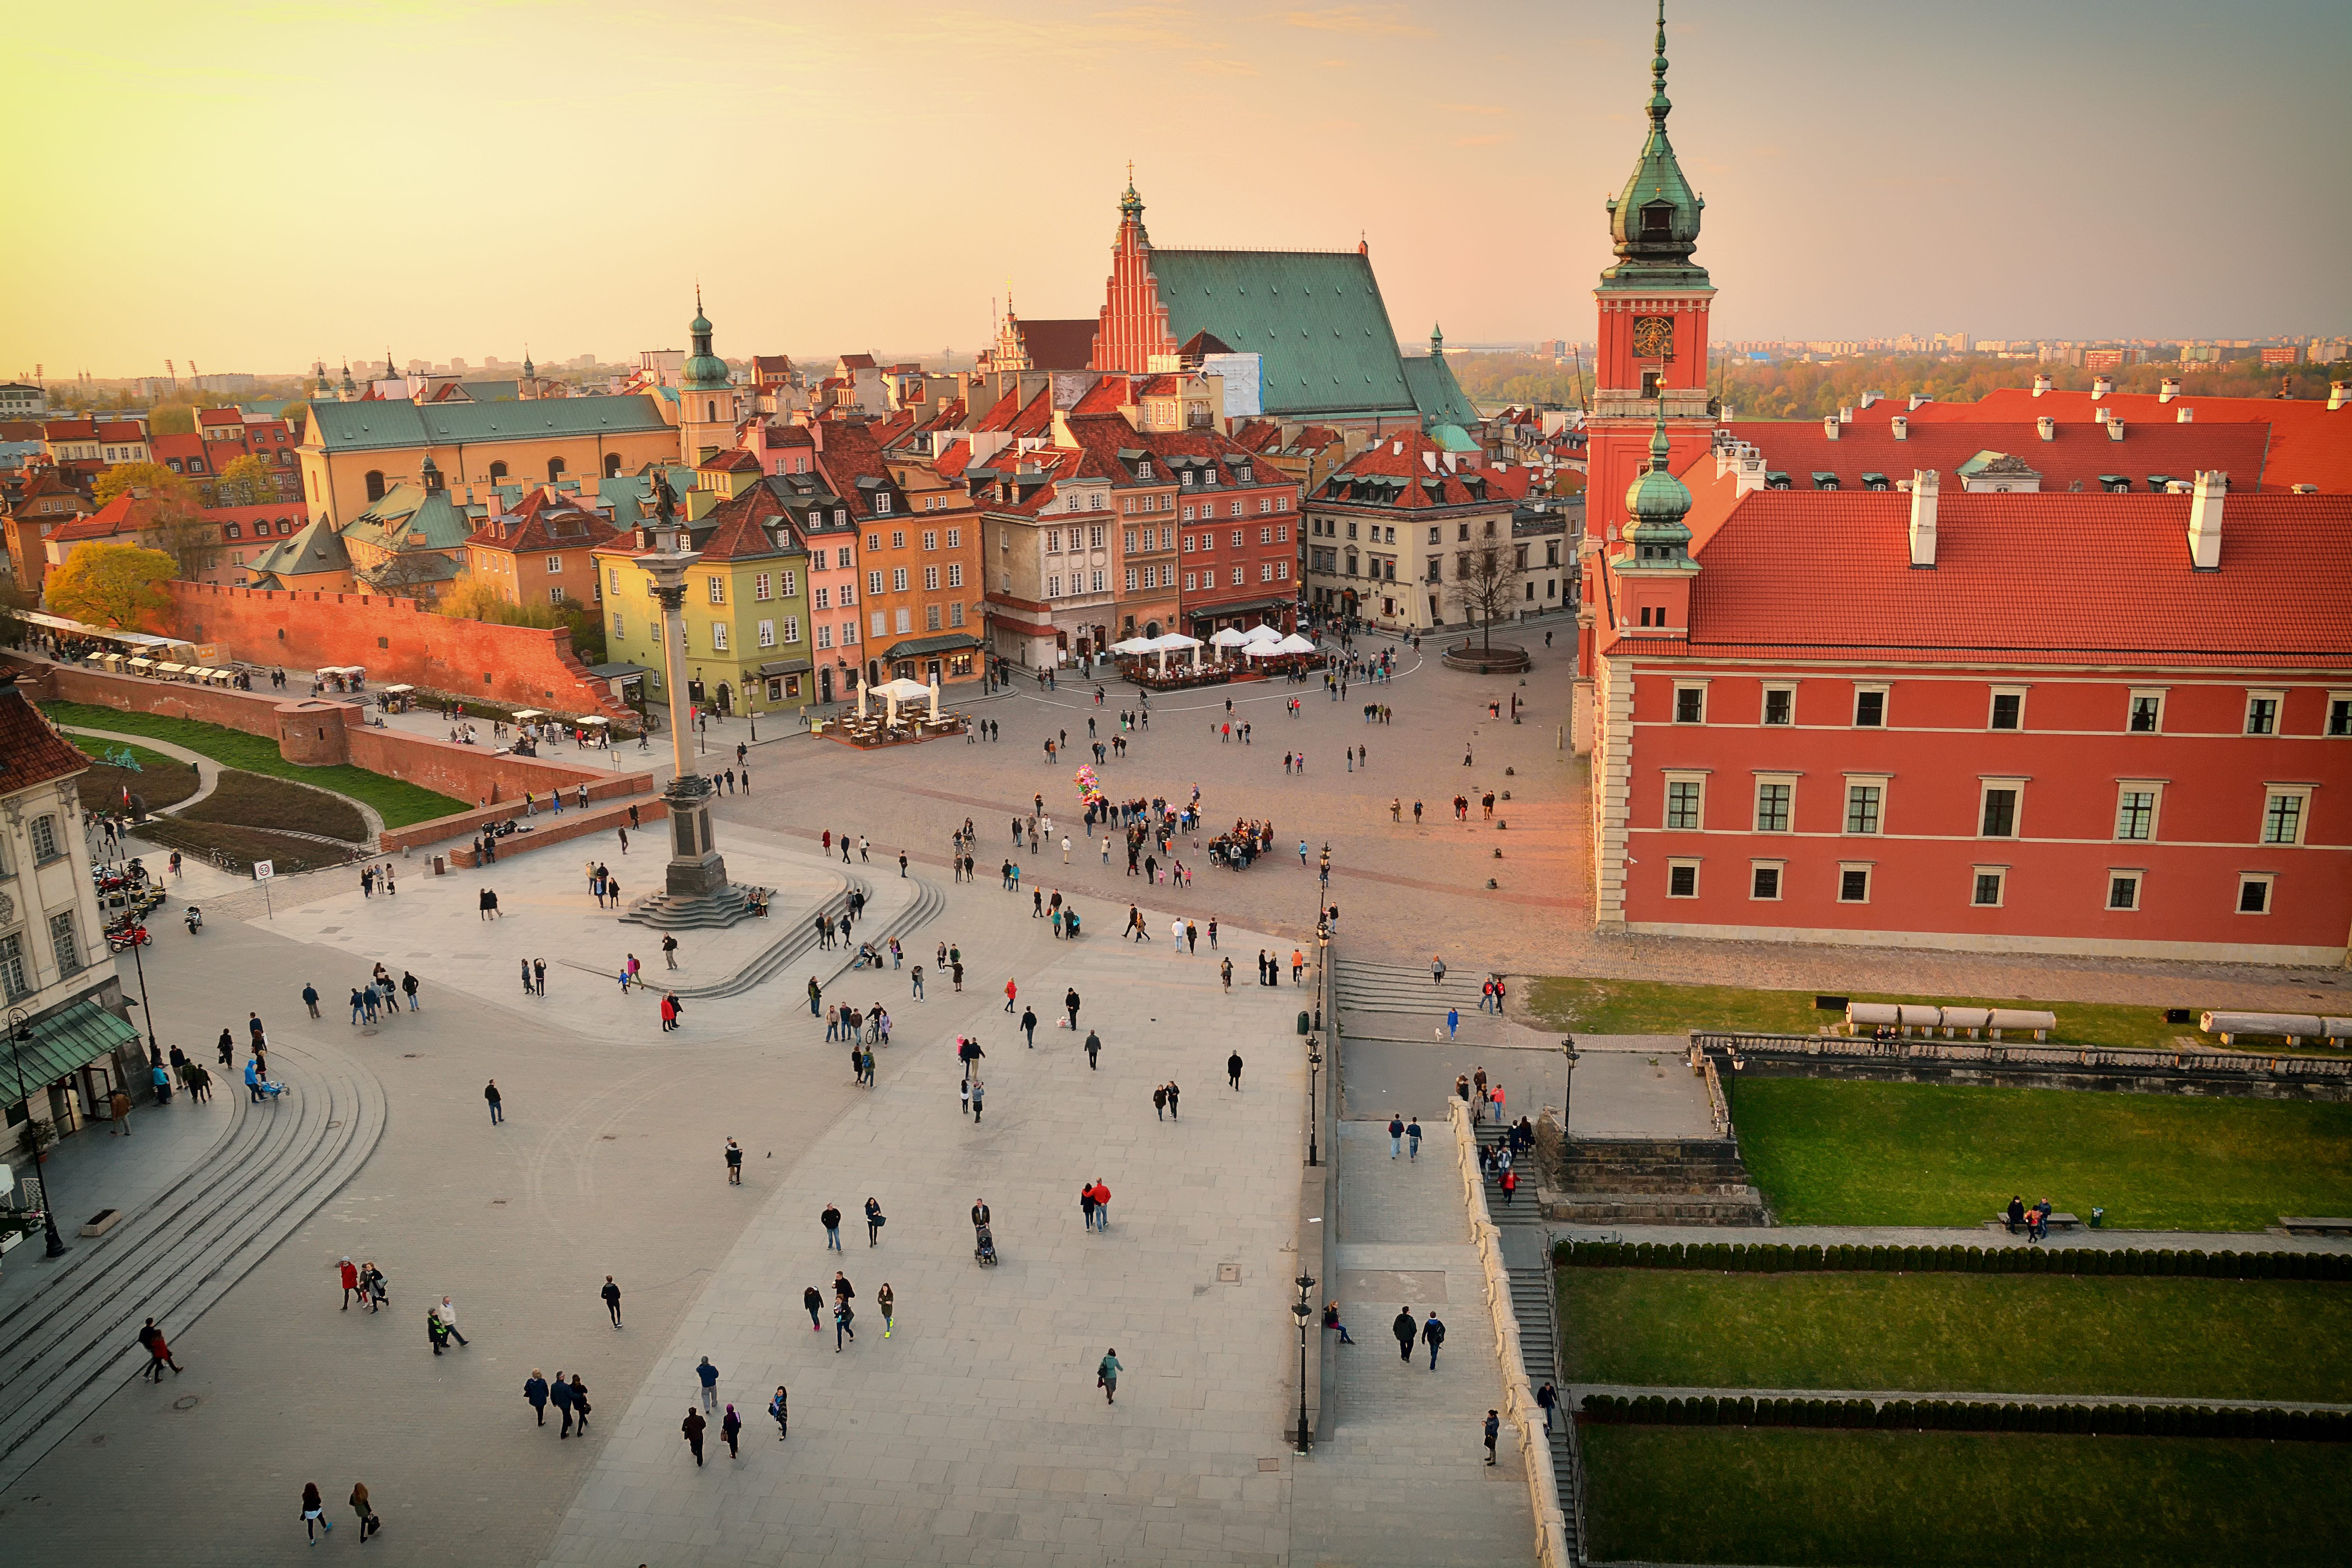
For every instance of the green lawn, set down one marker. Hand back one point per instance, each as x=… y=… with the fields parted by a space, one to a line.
x=1831 y=1152
x=1978 y=1334
x=256 y=800
x=1654 y=1007
x=159 y=781
x=398 y=803
x=1684 y=1494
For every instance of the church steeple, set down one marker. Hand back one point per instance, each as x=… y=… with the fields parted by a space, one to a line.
x=1655 y=221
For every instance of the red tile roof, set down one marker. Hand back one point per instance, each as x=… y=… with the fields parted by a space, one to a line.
x=849 y=454
x=31 y=752
x=2075 y=455
x=1404 y=454
x=857 y=362
x=742 y=527
x=121 y=431
x=732 y=461
x=545 y=519
x=2039 y=578
x=211 y=417
x=183 y=446
x=2308 y=444
x=1014 y=417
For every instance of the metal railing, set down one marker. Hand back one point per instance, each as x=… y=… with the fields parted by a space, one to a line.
x=1570 y=1482
x=2235 y=1064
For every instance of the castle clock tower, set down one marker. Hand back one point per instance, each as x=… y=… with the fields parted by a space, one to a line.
x=1649 y=369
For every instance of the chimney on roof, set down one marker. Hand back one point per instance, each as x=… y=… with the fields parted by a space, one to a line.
x=1901 y=427
x=2184 y=415
x=1923 y=488
x=1916 y=399
x=2101 y=416
x=2115 y=430
x=1830 y=425
x=2339 y=394
x=2047 y=426
x=1845 y=416
x=2205 y=518
x=2167 y=389
x=1870 y=397
x=2101 y=385
x=2040 y=382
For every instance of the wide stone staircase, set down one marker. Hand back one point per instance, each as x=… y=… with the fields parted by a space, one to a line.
x=1523 y=1210
x=1531 y=1305
x=1652 y=1181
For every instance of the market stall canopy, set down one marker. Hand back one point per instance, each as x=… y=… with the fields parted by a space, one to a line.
x=1262 y=633
x=903 y=691
x=1172 y=641
x=1133 y=645
x=1293 y=643
x=1225 y=637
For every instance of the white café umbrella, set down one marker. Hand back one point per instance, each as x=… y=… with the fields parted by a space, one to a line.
x=1293 y=643
x=897 y=691
x=1133 y=645
x=1262 y=633
x=1226 y=638
x=935 y=697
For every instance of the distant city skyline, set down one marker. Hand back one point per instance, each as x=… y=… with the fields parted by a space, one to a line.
x=2008 y=169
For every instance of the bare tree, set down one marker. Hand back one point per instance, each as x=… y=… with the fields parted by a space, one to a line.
x=1486 y=581
x=191 y=539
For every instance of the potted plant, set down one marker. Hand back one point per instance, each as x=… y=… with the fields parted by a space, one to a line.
x=37 y=1137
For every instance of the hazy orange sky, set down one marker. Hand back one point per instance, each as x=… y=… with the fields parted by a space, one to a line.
x=249 y=184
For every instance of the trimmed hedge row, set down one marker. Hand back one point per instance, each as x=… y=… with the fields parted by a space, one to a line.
x=1973 y=1415
x=1769 y=1258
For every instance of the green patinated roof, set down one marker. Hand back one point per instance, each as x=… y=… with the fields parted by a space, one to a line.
x=1648 y=256
x=317 y=548
x=412 y=509
x=1436 y=393
x=491 y=390
x=1315 y=317
x=70 y=1038
x=1452 y=437
x=630 y=495
x=369 y=426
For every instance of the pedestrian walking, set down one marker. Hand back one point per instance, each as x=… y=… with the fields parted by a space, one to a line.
x=978 y=1089
x=1029 y=1026
x=579 y=1399
x=1070 y=1001
x=612 y=1294
x=811 y=1300
x=497 y=1102
x=447 y=1313
x=1107 y=1372
x=351 y=1277
x=842 y=1316
x=1433 y=1334
x=734 y=1163
x=1406 y=1332
x=370 y=1525
x=1159 y=1103
x=1234 y=1070
x=159 y=1353
x=670 y=1011
x=669 y=950
x=1494 y=1429
x=875 y=1221
x=1548 y=1400
x=314 y=1513
x=534 y=1393
x=885 y=1300
x=1086 y=1206
x=1174 y=1093
x=1413 y=1139
x=707 y=1375
x=1396 y=1137
x=1093 y=1050
x=731 y=1427
x=780 y=1407
x=310 y=999
x=692 y=1426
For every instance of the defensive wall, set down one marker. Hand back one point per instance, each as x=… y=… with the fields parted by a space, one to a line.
x=397 y=641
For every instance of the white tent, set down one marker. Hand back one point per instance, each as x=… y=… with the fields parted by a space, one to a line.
x=1133 y=645
x=1173 y=642
x=1229 y=638
x=894 y=692
x=1264 y=634
x=1293 y=643
x=1265 y=651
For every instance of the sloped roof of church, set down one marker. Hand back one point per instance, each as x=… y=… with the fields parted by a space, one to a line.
x=1436 y=393
x=1315 y=317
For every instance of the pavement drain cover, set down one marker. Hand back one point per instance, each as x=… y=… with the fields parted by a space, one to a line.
x=408 y=1056
x=368 y=1032
x=1229 y=1273
x=496 y=1202
x=188 y=1402
x=1269 y=1464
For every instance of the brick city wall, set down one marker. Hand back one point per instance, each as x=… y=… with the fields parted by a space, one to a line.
x=396 y=641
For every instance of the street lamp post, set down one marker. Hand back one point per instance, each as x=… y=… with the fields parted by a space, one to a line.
x=1567 y=1087
x=154 y=1052
x=1303 y=1310
x=20 y=1031
x=1314 y=1105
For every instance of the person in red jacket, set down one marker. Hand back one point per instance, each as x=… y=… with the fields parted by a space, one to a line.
x=351 y=1284
x=1102 y=1204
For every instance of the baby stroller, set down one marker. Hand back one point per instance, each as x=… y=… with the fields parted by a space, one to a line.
x=984 y=1246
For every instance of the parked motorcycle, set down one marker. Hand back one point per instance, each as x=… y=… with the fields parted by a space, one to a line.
x=195 y=918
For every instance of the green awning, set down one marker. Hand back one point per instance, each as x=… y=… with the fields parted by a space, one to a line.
x=922 y=648
x=66 y=1040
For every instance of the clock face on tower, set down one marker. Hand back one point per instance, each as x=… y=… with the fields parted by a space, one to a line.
x=1654 y=337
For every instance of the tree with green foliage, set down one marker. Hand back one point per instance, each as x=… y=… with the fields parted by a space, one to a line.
x=153 y=477
x=118 y=586
x=247 y=481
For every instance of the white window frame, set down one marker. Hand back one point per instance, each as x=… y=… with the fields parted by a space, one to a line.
x=2156 y=694
x=1992 y=705
x=2277 y=700
x=1676 y=711
x=767 y=633
x=2139 y=878
x=2332 y=699
x=1885 y=701
x=1986 y=784
x=1756 y=805
x=1780 y=869
x=719 y=636
x=1678 y=863
x=1764 y=705
x=2001 y=896
x=1672 y=777
x=1854 y=782
x=1869 y=869
x=2154 y=788
x=2269 y=881
x=2301 y=795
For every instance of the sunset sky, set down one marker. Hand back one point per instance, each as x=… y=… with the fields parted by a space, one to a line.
x=250 y=184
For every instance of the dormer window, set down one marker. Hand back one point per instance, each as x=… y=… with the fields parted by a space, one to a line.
x=882 y=503
x=1143 y=470
x=1658 y=219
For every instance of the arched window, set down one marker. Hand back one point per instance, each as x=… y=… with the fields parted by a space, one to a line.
x=376 y=484
x=497 y=472
x=710 y=411
x=554 y=469
x=612 y=465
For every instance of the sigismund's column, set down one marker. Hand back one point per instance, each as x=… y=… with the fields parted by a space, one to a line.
x=697 y=872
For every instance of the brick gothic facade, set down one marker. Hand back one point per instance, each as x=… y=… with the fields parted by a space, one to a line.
x=1133 y=326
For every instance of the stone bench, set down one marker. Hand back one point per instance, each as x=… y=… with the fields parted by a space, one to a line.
x=2310 y=1224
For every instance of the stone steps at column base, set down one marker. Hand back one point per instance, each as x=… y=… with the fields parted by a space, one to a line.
x=708 y=911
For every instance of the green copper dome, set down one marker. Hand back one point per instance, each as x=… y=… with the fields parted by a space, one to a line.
x=1654 y=220
x=704 y=371
x=1658 y=502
